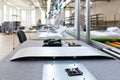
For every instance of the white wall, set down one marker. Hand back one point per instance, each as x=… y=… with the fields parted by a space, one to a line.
x=8 y=12
x=1 y=12
x=109 y=9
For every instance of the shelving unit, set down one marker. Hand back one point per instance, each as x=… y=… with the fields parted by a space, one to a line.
x=112 y=23
x=97 y=22
x=10 y=27
x=69 y=21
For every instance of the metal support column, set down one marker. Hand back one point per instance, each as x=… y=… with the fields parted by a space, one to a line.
x=88 y=23
x=77 y=17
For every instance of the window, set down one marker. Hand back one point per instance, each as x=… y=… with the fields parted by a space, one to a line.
x=18 y=15
x=33 y=17
x=10 y=15
x=14 y=11
x=67 y=15
x=23 y=17
x=43 y=17
x=5 y=13
x=14 y=15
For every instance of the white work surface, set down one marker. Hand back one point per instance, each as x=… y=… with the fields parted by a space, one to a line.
x=49 y=34
x=56 y=71
x=45 y=35
x=58 y=34
x=56 y=52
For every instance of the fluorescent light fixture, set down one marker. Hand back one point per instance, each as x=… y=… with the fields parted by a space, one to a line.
x=73 y=11
x=37 y=4
x=80 y=7
x=9 y=3
x=18 y=8
x=32 y=6
x=91 y=3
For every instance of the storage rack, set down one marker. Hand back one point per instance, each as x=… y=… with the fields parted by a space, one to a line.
x=113 y=23
x=97 y=22
x=70 y=21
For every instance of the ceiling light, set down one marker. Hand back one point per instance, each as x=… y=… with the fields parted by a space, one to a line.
x=37 y=4
x=18 y=8
x=9 y=3
x=91 y=2
x=32 y=6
